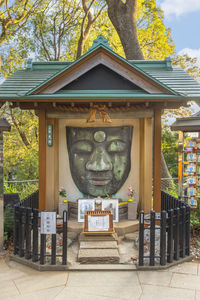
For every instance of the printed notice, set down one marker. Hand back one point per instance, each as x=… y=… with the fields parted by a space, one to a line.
x=98 y=223
x=48 y=222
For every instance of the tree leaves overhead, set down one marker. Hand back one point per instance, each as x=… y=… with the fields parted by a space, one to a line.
x=64 y=30
x=154 y=38
x=14 y=15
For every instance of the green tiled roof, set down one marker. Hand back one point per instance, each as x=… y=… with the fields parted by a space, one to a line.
x=176 y=79
x=22 y=83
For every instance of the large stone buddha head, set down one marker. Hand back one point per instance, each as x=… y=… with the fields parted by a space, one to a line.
x=99 y=158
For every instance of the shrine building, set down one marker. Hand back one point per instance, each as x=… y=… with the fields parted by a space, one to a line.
x=100 y=122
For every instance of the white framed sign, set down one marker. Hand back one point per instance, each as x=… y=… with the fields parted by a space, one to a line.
x=48 y=222
x=111 y=204
x=83 y=206
x=98 y=223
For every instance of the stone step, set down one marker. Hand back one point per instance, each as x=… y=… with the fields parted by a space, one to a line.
x=98 y=245
x=98 y=256
x=131 y=237
x=126 y=226
x=86 y=238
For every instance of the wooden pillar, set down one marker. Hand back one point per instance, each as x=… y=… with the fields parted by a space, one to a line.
x=180 y=163
x=52 y=168
x=1 y=193
x=4 y=126
x=42 y=159
x=157 y=160
x=146 y=164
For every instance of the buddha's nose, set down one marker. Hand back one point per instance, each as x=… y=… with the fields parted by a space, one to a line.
x=99 y=160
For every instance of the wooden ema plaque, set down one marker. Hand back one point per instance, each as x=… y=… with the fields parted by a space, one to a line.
x=98 y=222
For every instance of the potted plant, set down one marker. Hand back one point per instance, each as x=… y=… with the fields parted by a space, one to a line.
x=131 y=193
x=63 y=201
x=132 y=204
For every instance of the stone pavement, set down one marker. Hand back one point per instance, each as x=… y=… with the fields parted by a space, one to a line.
x=18 y=282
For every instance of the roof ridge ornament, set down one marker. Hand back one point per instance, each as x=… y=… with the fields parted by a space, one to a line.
x=168 y=62
x=29 y=64
x=100 y=40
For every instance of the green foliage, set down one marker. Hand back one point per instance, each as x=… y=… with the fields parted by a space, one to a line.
x=24 y=189
x=173 y=192
x=170 y=150
x=53 y=32
x=195 y=218
x=10 y=189
x=190 y=65
x=14 y=15
x=8 y=221
x=21 y=145
x=27 y=189
x=154 y=38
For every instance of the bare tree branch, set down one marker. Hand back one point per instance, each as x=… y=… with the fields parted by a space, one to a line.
x=85 y=30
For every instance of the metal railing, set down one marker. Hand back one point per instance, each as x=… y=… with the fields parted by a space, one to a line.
x=172 y=226
x=30 y=243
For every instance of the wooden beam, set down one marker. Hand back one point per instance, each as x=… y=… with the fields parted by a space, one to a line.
x=171 y=102
x=157 y=160
x=42 y=159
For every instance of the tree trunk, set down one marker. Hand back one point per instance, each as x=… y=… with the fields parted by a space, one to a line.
x=123 y=18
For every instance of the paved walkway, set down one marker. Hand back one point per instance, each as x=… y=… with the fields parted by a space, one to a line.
x=18 y=282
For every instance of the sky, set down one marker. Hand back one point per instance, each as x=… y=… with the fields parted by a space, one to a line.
x=183 y=17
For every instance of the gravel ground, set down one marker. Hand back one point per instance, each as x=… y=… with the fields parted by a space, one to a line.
x=195 y=245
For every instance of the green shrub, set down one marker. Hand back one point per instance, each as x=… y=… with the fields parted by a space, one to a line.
x=8 y=221
x=172 y=192
x=195 y=219
x=24 y=189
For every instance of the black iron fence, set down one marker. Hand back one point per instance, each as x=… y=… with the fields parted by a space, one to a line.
x=30 y=243
x=165 y=236
x=32 y=200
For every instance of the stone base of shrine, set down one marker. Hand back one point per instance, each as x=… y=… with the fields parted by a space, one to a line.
x=121 y=228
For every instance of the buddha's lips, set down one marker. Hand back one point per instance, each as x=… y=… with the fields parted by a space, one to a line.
x=99 y=181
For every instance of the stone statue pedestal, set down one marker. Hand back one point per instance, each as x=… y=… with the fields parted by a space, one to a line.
x=61 y=207
x=132 y=210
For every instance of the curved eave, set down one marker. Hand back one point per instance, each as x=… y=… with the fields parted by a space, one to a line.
x=189 y=124
x=94 y=96
x=186 y=128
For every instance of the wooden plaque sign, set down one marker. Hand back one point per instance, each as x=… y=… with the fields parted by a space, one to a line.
x=98 y=222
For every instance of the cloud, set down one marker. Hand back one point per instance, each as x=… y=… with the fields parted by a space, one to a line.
x=179 y=7
x=192 y=53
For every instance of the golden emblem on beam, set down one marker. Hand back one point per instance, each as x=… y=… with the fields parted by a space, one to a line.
x=102 y=110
